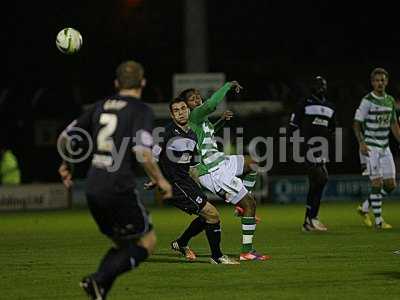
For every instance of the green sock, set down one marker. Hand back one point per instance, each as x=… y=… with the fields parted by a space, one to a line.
x=248 y=228
x=249 y=180
x=376 y=203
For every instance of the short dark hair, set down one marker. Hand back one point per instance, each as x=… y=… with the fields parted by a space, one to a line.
x=173 y=101
x=184 y=95
x=379 y=71
x=130 y=75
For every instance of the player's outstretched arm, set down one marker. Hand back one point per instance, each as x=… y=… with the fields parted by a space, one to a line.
x=226 y=116
x=146 y=158
x=201 y=112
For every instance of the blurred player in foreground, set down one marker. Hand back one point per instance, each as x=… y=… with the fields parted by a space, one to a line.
x=115 y=122
x=176 y=154
x=218 y=172
x=373 y=121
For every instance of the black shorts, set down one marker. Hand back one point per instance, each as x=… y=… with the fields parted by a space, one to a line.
x=120 y=217
x=188 y=196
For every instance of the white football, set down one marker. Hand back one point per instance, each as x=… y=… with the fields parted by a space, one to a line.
x=69 y=41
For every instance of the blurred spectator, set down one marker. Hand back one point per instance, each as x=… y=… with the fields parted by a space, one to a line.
x=9 y=170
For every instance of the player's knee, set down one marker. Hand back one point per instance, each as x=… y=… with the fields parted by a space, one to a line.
x=149 y=242
x=248 y=203
x=249 y=164
x=376 y=184
x=388 y=187
x=211 y=215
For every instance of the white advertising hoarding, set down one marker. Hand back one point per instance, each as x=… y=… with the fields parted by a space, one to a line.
x=33 y=196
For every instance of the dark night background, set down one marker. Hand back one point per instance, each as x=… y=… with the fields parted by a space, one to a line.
x=273 y=48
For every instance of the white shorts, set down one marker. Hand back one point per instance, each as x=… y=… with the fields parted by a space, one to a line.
x=223 y=181
x=363 y=158
x=380 y=163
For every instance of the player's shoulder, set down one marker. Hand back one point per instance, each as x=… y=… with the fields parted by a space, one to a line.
x=118 y=102
x=368 y=98
x=92 y=110
x=194 y=122
x=138 y=105
x=391 y=98
x=171 y=129
x=330 y=104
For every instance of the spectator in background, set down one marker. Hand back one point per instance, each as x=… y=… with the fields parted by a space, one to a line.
x=9 y=170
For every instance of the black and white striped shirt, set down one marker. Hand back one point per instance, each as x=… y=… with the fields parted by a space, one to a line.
x=315 y=118
x=176 y=153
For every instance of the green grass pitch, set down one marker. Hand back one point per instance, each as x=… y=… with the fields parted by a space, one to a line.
x=43 y=255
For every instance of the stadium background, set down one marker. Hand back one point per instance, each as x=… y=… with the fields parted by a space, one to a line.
x=273 y=48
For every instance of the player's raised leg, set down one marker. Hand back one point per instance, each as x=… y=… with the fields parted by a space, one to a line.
x=248 y=173
x=248 y=204
x=224 y=183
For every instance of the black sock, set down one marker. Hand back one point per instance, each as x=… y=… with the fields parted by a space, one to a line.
x=213 y=232
x=118 y=261
x=310 y=203
x=314 y=200
x=317 y=202
x=194 y=229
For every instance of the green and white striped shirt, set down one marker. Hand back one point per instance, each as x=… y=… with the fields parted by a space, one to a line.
x=210 y=157
x=376 y=114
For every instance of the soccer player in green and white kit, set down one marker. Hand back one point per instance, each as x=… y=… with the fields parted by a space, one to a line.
x=218 y=172
x=373 y=121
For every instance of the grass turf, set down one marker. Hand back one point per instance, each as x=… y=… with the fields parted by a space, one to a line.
x=44 y=254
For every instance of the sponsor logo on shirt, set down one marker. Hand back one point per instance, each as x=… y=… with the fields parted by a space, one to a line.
x=320 y=122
